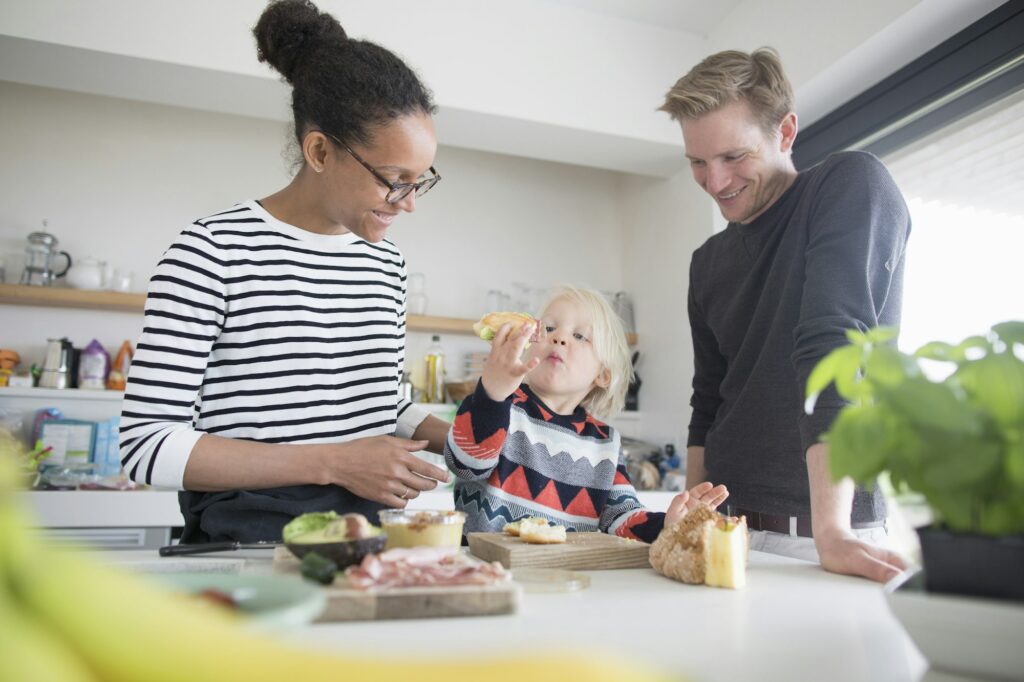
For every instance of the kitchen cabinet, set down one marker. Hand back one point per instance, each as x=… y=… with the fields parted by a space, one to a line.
x=55 y=297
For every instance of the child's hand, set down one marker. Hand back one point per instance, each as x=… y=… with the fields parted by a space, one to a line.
x=504 y=369
x=700 y=494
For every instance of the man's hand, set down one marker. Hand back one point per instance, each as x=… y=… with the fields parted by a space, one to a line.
x=845 y=553
x=504 y=369
x=839 y=549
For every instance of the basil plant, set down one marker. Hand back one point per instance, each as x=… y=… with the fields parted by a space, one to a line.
x=958 y=441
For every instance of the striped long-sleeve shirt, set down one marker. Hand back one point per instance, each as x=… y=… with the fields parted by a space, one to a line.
x=518 y=458
x=259 y=330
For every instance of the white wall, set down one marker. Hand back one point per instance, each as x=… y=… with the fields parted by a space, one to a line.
x=530 y=77
x=666 y=220
x=119 y=179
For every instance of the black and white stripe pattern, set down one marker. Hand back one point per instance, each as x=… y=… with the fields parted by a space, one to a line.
x=258 y=330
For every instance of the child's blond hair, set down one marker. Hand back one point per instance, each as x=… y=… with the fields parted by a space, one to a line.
x=610 y=345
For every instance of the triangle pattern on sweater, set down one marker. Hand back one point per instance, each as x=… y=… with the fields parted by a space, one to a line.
x=549 y=497
x=566 y=494
x=582 y=505
x=516 y=484
x=536 y=481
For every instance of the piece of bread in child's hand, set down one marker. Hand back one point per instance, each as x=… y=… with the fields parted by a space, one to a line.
x=538 y=534
x=514 y=527
x=703 y=547
x=489 y=324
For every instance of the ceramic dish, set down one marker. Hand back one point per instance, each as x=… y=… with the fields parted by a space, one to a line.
x=972 y=635
x=268 y=602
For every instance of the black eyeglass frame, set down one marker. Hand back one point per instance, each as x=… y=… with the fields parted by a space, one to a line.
x=396 y=190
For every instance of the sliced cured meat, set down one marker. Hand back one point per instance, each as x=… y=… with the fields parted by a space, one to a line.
x=423 y=567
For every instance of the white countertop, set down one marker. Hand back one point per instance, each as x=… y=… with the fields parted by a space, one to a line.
x=792 y=622
x=159 y=508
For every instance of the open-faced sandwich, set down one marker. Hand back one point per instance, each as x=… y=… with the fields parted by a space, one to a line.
x=536 y=530
x=703 y=547
x=490 y=323
x=514 y=527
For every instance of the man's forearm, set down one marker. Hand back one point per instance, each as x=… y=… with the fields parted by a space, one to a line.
x=695 y=471
x=831 y=503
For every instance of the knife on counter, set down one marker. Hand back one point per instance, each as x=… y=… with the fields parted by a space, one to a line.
x=207 y=547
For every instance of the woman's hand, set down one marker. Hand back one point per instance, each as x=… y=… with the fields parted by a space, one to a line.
x=700 y=494
x=504 y=369
x=382 y=469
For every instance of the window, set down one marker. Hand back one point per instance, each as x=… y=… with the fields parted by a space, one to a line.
x=964 y=185
x=950 y=128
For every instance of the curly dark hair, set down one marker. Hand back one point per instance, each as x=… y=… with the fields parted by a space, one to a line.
x=342 y=86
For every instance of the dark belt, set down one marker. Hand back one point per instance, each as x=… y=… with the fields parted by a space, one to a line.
x=799 y=526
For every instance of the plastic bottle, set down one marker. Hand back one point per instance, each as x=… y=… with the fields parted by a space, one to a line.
x=434 y=389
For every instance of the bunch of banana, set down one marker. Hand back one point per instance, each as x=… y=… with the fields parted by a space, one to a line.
x=67 y=617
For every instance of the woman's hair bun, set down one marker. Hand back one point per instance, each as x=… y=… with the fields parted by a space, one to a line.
x=288 y=30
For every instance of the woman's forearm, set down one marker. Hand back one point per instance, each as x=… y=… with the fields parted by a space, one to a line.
x=218 y=463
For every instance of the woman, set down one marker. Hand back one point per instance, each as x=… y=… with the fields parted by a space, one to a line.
x=265 y=383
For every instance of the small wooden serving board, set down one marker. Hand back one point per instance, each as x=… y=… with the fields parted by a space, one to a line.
x=583 y=551
x=345 y=603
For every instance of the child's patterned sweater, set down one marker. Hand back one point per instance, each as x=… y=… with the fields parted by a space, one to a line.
x=517 y=458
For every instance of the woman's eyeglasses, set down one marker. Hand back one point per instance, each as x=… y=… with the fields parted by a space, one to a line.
x=396 y=191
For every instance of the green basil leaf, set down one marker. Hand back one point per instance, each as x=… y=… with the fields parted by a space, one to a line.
x=856 y=337
x=995 y=383
x=939 y=350
x=1010 y=332
x=888 y=367
x=1015 y=464
x=824 y=373
x=881 y=335
x=932 y=406
x=964 y=467
x=973 y=342
x=858 y=443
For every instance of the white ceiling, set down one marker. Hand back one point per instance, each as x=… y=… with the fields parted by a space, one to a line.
x=572 y=81
x=699 y=17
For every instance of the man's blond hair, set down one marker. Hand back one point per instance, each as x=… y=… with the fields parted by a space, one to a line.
x=731 y=76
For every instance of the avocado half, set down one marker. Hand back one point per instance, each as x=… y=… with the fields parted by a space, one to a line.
x=325 y=534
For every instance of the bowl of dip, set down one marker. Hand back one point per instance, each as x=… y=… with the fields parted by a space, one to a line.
x=422 y=528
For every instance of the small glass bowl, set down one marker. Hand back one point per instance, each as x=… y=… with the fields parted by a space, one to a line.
x=422 y=528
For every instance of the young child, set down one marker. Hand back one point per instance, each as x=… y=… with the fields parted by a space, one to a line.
x=536 y=448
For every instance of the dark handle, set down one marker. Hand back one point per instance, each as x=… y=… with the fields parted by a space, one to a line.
x=203 y=548
x=67 y=267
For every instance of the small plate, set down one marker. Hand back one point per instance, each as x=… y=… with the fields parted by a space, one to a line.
x=972 y=635
x=269 y=602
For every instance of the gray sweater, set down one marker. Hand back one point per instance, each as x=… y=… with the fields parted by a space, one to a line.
x=768 y=300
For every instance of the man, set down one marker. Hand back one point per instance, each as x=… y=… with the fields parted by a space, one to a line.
x=805 y=257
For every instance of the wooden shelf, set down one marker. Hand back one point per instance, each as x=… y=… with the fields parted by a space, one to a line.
x=441 y=325
x=55 y=297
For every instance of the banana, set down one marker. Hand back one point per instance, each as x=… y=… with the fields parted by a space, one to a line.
x=28 y=650
x=125 y=629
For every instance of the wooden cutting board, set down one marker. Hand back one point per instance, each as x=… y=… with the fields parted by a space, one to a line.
x=345 y=603
x=584 y=551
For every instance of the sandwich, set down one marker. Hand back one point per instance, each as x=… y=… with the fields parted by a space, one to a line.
x=490 y=323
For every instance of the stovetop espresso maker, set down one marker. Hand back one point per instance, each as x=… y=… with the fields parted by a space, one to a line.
x=39 y=259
